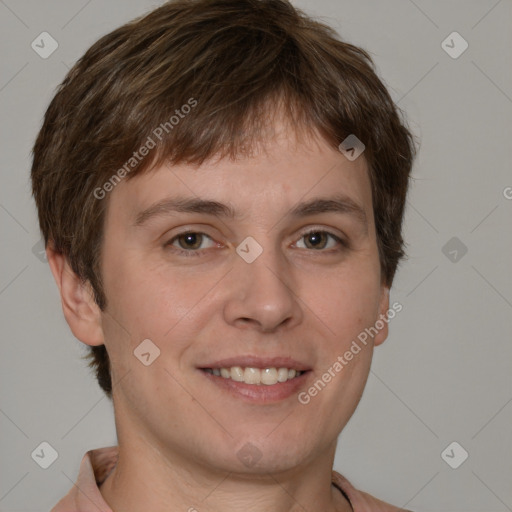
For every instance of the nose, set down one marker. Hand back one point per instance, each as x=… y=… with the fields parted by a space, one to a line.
x=261 y=294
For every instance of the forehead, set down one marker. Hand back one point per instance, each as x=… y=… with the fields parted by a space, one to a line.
x=279 y=173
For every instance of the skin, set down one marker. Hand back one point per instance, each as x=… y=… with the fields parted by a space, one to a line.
x=178 y=433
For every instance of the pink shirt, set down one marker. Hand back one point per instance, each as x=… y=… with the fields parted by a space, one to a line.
x=97 y=464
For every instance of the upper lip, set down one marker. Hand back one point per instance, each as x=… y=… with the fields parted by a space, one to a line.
x=258 y=362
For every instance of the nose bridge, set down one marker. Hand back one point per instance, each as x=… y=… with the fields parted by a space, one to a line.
x=262 y=291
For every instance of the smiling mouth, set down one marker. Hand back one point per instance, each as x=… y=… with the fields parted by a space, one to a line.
x=255 y=376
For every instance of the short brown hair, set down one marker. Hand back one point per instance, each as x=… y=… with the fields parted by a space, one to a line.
x=237 y=60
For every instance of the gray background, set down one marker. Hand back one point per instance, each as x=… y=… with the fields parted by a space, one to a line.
x=443 y=375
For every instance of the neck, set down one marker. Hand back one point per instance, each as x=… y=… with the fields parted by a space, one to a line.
x=148 y=479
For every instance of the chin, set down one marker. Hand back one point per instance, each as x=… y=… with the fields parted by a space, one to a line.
x=272 y=455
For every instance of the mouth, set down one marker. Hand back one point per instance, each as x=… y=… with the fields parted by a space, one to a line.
x=257 y=380
x=255 y=376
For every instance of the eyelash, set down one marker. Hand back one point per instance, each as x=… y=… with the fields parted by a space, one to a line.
x=198 y=252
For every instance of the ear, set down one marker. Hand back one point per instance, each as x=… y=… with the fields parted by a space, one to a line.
x=80 y=310
x=383 y=317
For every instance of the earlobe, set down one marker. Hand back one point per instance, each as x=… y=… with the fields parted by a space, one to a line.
x=80 y=310
x=382 y=320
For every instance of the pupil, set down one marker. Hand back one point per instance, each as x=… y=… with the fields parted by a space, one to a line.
x=191 y=240
x=315 y=238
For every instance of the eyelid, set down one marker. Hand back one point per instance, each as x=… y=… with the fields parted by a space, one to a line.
x=190 y=252
x=318 y=229
x=185 y=230
x=340 y=239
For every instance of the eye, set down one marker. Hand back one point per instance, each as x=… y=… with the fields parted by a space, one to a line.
x=318 y=239
x=190 y=242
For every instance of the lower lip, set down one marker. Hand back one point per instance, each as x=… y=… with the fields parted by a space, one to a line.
x=259 y=393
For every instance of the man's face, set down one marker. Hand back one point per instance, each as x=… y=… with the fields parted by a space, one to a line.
x=194 y=283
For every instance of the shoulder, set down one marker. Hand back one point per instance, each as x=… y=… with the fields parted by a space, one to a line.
x=103 y=460
x=361 y=501
x=85 y=495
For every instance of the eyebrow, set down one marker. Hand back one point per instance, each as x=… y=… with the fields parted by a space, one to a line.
x=337 y=204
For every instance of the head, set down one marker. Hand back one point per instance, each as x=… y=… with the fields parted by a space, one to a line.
x=244 y=103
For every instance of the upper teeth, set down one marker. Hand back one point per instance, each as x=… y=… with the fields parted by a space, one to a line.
x=249 y=375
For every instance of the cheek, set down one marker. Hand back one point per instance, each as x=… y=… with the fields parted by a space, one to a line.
x=346 y=303
x=145 y=295
x=166 y=305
